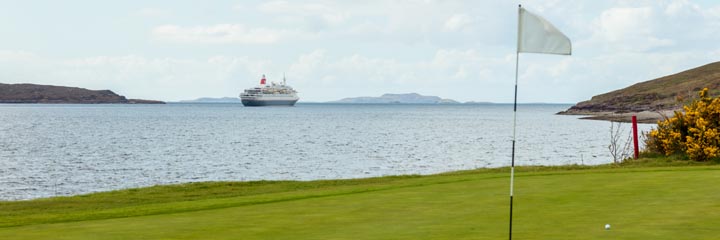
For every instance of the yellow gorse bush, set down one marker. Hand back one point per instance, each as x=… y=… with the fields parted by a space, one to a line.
x=695 y=132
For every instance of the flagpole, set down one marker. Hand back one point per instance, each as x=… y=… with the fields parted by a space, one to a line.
x=512 y=163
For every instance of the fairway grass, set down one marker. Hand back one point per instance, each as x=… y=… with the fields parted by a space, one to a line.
x=572 y=202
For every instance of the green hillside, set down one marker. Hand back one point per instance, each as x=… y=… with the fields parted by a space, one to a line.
x=665 y=93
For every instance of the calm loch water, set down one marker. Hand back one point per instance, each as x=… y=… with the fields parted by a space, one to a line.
x=48 y=150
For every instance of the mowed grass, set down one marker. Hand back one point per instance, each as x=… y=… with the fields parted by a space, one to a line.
x=640 y=202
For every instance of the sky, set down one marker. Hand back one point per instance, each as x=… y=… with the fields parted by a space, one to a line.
x=328 y=50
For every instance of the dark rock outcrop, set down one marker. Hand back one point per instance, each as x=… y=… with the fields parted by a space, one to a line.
x=33 y=93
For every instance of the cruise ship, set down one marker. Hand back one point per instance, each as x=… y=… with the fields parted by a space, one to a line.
x=269 y=95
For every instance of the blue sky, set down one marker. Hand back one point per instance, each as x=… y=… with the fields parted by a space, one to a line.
x=464 y=50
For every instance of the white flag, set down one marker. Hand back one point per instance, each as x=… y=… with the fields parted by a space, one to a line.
x=537 y=35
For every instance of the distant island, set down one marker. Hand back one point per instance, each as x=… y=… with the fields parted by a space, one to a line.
x=388 y=98
x=652 y=99
x=213 y=100
x=33 y=93
x=407 y=98
x=479 y=103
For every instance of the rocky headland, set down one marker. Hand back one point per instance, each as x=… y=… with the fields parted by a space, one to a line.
x=33 y=93
x=651 y=100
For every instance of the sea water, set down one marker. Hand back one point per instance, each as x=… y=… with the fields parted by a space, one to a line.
x=50 y=150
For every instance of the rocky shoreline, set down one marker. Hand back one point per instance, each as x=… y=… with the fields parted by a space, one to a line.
x=622 y=108
x=642 y=116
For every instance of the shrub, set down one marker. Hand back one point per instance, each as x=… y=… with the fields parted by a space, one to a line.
x=696 y=132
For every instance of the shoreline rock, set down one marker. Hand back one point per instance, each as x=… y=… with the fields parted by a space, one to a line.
x=642 y=116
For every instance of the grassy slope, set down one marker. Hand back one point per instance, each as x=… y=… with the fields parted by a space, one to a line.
x=640 y=203
x=660 y=93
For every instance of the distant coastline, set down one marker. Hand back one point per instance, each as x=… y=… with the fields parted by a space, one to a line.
x=34 y=93
x=403 y=98
x=456 y=104
x=388 y=98
x=413 y=98
x=212 y=100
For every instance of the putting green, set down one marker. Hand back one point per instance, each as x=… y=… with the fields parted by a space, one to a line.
x=639 y=203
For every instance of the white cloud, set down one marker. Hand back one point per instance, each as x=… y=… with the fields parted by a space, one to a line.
x=617 y=23
x=679 y=7
x=577 y=78
x=240 y=7
x=334 y=49
x=308 y=64
x=324 y=11
x=629 y=29
x=137 y=76
x=689 y=13
x=405 y=22
x=458 y=22
x=13 y=55
x=448 y=72
x=634 y=29
x=225 y=33
x=154 y=12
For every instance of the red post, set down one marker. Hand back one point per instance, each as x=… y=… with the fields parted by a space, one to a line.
x=635 y=136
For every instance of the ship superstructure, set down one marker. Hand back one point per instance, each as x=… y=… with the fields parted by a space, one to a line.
x=273 y=94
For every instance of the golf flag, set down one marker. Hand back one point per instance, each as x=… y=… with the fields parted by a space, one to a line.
x=537 y=35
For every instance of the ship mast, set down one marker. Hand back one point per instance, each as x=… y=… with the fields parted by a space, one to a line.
x=284 y=78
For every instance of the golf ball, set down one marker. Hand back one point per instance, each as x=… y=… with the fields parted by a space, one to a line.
x=607 y=226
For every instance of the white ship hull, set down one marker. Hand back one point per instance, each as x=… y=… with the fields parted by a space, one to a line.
x=273 y=95
x=257 y=101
